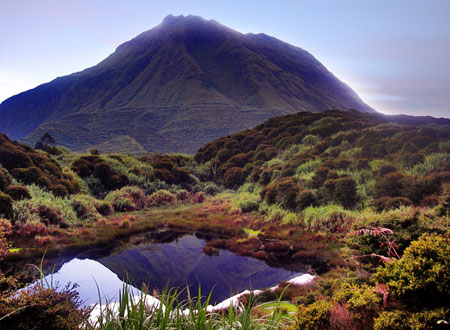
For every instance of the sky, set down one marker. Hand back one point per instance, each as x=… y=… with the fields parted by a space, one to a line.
x=394 y=54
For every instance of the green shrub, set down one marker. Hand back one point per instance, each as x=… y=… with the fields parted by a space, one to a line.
x=390 y=203
x=362 y=301
x=211 y=188
x=182 y=195
x=233 y=177
x=5 y=179
x=304 y=199
x=58 y=209
x=392 y=320
x=290 y=218
x=18 y=192
x=6 y=208
x=283 y=191
x=31 y=175
x=161 y=197
x=247 y=201
x=331 y=218
x=43 y=308
x=390 y=185
x=59 y=190
x=14 y=158
x=85 y=206
x=104 y=208
x=345 y=191
x=421 y=276
x=444 y=206
x=121 y=200
x=314 y=316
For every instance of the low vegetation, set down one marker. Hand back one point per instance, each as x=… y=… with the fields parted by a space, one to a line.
x=360 y=199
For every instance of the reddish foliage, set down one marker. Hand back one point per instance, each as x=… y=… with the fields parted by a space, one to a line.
x=31 y=229
x=341 y=318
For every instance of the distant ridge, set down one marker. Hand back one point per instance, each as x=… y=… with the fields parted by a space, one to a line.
x=175 y=87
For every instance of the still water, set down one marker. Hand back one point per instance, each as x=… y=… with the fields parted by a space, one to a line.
x=160 y=266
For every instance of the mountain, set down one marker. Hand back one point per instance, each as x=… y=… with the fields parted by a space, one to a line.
x=174 y=88
x=183 y=263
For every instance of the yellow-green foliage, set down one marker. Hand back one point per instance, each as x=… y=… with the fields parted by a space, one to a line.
x=290 y=218
x=247 y=201
x=422 y=274
x=392 y=320
x=85 y=206
x=41 y=197
x=275 y=213
x=306 y=170
x=431 y=162
x=363 y=301
x=403 y=320
x=314 y=316
x=327 y=217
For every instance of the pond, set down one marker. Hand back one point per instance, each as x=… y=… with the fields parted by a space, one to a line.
x=176 y=264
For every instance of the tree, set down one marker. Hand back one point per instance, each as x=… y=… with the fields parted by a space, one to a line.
x=47 y=139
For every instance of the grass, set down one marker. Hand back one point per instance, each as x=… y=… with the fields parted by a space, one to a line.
x=141 y=312
x=284 y=307
x=252 y=232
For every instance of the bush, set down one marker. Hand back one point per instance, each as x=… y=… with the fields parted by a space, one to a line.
x=362 y=301
x=37 y=307
x=31 y=175
x=314 y=316
x=18 y=192
x=44 y=204
x=50 y=215
x=104 y=208
x=420 y=277
x=392 y=320
x=390 y=185
x=161 y=197
x=283 y=191
x=31 y=229
x=444 y=205
x=331 y=218
x=5 y=179
x=59 y=190
x=14 y=158
x=247 y=201
x=6 y=203
x=198 y=197
x=85 y=206
x=389 y=203
x=345 y=191
x=304 y=199
x=211 y=188
x=182 y=195
x=233 y=177
x=5 y=230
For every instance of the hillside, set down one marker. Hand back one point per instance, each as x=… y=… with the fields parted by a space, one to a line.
x=175 y=87
x=361 y=199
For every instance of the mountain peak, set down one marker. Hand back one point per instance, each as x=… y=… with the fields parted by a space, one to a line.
x=175 y=87
x=171 y=20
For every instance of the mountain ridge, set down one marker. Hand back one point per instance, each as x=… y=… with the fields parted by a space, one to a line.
x=175 y=87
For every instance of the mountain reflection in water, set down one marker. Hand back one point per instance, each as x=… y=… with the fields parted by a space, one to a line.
x=168 y=265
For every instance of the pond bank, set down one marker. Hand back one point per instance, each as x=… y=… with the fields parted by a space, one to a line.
x=243 y=234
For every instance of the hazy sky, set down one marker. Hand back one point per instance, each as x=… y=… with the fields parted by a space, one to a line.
x=394 y=54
